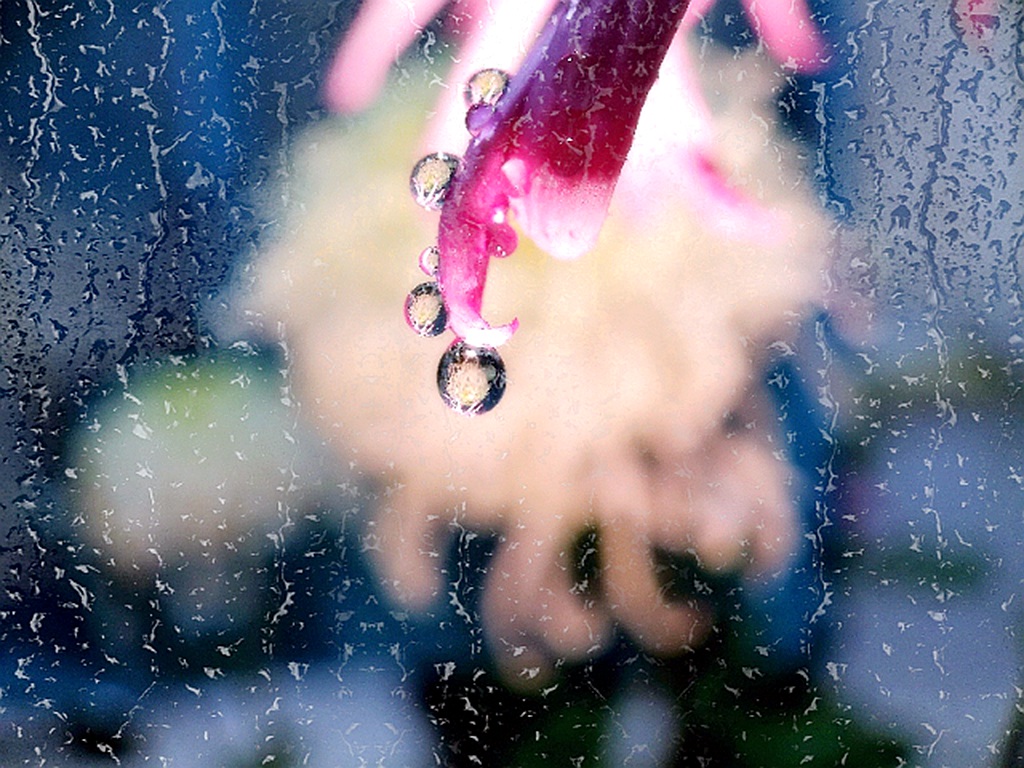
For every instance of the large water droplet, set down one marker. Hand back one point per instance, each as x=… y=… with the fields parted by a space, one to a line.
x=425 y=311
x=486 y=87
x=430 y=260
x=471 y=380
x=431 y=179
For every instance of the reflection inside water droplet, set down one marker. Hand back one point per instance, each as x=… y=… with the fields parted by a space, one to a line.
x=471 y=380
x=430 y=259
x=486 y=87
x=478 y=117
x=431 y=179
x=424 y=310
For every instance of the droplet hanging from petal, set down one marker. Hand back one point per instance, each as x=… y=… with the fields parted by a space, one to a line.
x=431 y=179
x=424 y=310
x=471 y=380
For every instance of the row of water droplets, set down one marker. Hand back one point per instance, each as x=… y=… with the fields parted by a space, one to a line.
x=471 y=379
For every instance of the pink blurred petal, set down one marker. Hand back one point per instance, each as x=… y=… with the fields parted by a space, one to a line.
x=382 y=30
x=501 y=32
x=728 y=209
x=696 y=12
x=675 y=121
x=789 y=33
x=553 y=148
x=671 y=158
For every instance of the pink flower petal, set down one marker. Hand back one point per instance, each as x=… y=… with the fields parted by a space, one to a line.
x=382 y=30
x=786 y=27
x=671 y=159
x=554 y=147
x=696 y=13
x=789 y=33
x=562 y=216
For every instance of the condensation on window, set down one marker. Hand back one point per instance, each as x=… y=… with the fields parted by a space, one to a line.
x=741 y=485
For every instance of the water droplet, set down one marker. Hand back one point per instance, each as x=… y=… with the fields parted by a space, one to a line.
x=478 y=117
x=425 y=311
x=486 y=87
x=431 y=179
x=471 y=380
x=430 y=259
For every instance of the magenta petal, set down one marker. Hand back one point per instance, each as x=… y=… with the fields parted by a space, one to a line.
x=786 y=27
x=473 y=230
x=553 y=148
x=466 y=251
x=696 y=12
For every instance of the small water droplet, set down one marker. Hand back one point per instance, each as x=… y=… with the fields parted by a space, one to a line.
x=430 y=259
x=471 y=380
x=486 y=87
x=425 y=311
x=478 y=117
x=431 y=179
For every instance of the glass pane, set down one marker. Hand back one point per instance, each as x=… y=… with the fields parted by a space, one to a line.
x=511 y=383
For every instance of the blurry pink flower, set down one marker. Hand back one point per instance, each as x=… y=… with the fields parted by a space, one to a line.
x=552 y=148
x=638 y=412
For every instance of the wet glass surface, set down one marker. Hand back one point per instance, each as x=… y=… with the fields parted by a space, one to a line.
x=752 y=497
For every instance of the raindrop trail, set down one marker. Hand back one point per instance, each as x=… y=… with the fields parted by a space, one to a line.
x=50 y=101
